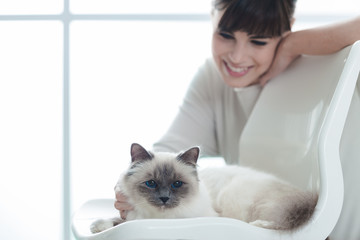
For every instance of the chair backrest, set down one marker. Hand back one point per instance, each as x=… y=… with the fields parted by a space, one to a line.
x=295 y=128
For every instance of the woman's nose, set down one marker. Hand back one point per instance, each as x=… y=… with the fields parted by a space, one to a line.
x=238 y=54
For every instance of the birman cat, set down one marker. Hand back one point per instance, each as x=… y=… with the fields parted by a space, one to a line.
x=168 y=185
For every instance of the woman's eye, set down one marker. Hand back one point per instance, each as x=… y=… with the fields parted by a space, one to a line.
x=151 y=184
x=226 y=35
x=259 y=43
x=177 y=184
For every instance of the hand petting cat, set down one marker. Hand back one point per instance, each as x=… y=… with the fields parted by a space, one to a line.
x=121 y=203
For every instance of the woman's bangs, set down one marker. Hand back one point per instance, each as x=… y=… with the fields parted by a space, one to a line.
x=260 y=18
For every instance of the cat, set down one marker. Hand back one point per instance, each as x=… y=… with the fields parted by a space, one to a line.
x=168 y=185
x=161 y=185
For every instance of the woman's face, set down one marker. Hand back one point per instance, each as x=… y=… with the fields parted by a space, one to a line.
x=241 y=58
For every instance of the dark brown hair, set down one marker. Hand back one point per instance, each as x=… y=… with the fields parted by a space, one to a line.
x=269 y=18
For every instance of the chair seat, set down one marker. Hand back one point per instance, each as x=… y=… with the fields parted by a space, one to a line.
x=208 y=228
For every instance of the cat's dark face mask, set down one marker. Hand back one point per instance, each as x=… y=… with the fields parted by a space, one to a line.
x=164 y=189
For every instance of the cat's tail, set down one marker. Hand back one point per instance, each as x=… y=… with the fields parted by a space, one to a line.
x=299 y=209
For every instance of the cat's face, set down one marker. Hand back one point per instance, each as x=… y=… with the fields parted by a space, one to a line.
x=162 y=180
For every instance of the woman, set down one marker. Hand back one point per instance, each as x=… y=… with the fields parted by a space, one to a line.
x=251 y=43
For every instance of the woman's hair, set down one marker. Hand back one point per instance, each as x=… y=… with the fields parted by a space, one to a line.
x=269 y=18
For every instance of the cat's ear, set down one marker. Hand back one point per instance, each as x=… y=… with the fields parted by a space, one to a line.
x=138 y=153
x=190 y=156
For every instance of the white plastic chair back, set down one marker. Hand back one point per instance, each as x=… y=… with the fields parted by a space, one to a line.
x=294 y=132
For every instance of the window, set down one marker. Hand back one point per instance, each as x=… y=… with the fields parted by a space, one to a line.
x=80 y=81
x=31 y=99
x=33 y=7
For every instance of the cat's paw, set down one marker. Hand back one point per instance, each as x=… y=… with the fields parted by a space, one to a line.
x=264 y=224
x=101 y=225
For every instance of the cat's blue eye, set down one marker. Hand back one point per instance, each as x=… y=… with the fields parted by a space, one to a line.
x=151 y=184
x=177 y=184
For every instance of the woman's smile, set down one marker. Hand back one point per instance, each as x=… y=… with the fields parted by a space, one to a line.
x=235 y=71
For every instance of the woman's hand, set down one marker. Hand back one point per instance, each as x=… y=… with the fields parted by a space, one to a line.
x=282 y=59
x=122 y=204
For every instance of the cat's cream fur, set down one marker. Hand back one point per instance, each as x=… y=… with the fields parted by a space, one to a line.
x=237 y=192
x=258 y=198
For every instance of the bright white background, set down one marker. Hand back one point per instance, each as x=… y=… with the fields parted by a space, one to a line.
x=128 y=72
x=30 y=129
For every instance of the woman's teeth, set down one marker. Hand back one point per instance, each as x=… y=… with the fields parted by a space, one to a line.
x=238 y=70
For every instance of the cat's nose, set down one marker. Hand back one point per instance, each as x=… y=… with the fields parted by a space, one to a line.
x=164 y=199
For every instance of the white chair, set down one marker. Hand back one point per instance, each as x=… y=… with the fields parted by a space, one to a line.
x=294 y=131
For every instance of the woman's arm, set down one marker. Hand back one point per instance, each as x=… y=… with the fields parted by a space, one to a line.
x=194 y=123
x=315 y=41
x=324 y=40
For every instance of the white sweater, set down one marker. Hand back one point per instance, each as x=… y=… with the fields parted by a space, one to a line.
x=211 y=116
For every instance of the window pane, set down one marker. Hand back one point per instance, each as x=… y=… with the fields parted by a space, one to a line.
x=31 y=130
x=328 y=7
x=310 y=13
x=31 y=6
x=141 y=6
x=127 y=81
